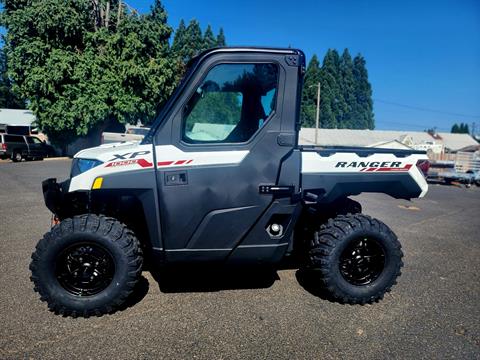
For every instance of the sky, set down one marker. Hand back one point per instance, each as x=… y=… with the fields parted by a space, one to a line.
x=423 y=57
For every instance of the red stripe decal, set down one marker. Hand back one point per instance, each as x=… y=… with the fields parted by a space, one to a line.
x=405 y=168
x=144 y=163
x=141 y=162
x=165 y=163
x=189 y=161
x=180 y=162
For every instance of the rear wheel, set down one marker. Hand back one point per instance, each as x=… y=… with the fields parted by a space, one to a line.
x=16 y=156
x=355 y=259
x=86 y=265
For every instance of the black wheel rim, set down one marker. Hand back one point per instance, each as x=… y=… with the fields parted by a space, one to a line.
x=85 y=269
x=362 y=261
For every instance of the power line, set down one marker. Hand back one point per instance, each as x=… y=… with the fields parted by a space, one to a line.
x=381 y=122
x=418 y=108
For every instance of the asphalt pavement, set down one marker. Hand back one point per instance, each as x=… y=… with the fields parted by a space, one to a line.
x=433 y=312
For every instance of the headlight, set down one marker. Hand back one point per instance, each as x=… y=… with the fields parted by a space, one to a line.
x=79 y=166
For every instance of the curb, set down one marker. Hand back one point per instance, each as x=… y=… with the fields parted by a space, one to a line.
x=57 y=158
x=8 y=161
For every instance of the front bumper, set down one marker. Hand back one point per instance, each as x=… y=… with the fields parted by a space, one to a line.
x=54 y=194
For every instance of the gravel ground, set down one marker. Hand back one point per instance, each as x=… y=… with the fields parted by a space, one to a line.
x=432 y=313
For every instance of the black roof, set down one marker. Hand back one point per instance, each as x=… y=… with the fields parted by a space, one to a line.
x=227 y=49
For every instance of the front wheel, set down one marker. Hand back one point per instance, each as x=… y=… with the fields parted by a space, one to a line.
x=86 y=265
x=355 y=258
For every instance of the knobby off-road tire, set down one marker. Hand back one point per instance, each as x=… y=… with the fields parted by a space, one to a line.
x=86 y=265
x=355 y=258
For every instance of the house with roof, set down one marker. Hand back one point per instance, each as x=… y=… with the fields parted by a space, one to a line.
x=419 y=140
x=15 y=121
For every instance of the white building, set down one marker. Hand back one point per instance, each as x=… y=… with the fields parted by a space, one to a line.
x=418 y=140
x=20 y=120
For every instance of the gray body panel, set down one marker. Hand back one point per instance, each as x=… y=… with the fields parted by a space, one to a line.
x=220 y=207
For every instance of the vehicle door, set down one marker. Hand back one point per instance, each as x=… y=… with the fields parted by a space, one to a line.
x=35 y=147
x=222 y=141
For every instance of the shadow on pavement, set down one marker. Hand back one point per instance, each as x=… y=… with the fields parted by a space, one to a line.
x=310 y=283
x=139 y=292
x=210 y=279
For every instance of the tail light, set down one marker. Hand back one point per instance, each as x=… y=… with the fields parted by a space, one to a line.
x=4 y=146
x=423 y=166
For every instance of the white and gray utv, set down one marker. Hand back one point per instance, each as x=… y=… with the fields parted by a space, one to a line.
x=221 y=179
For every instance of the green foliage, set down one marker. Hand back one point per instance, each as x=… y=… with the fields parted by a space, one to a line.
x=179 y=45
x=460 y=129
x=189 y=41
x=217 y=108
x=194 y=39
x=347 y=88
x=8 y=99
x=209 y=40
x=346 y=94
x=221 y=41
x=81 y=67
x=363 y=94
x=309 y=95
x=332 y=103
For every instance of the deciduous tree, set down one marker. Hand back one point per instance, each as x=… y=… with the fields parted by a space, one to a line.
x=8 y=99
x=80 y=70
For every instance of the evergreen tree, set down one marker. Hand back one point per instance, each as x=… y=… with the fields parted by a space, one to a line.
x=347 y=85
x=179 y=44
x=309 y=95
x=461 y=128
x=194 y=39
x=363 y=94
x=209 y=40
x=332 y=104
x=346 y=94
x=221 y=38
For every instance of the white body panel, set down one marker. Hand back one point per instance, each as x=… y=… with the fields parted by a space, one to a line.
x=121 y=157
x=313 y=162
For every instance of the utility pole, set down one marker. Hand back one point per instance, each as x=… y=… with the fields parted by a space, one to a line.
x=119 y=13
x=317 y=115
x=107 y=14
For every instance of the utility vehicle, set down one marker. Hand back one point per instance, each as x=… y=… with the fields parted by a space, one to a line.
x=221 y=179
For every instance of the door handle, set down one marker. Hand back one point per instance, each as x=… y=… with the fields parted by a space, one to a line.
x=176 y=178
